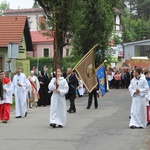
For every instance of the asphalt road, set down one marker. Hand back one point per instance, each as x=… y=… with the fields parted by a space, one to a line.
x=105 y=128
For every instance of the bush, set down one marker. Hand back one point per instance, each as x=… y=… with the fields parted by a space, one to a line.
x=68 y=62
x=40 y=62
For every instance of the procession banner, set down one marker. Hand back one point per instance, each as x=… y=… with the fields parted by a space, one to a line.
x=101 y=76
x=86 y=71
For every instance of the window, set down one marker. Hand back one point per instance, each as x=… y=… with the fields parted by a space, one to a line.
x=46 y=52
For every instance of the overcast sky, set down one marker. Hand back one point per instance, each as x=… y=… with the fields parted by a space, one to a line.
x=15 y=4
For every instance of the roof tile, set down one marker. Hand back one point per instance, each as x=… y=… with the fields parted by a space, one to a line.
x=11 y=29
x=40 y=37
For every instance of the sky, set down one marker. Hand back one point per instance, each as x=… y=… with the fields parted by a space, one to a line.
x=15 y=4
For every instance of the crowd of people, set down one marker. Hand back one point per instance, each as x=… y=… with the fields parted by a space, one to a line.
x=40 y=90
x=55 y=89
x=119 y=77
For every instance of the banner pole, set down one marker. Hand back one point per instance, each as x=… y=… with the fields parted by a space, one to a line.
x=101 y=64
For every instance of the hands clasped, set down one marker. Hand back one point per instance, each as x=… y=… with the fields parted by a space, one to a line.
x=137 y=91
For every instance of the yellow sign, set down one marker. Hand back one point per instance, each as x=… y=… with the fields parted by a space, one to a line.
x=24 y=65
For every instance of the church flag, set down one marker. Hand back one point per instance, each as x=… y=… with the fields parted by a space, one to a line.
x=86 y=71
x=101 y=76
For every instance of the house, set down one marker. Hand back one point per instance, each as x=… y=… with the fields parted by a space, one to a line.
x=117 y=21
x=14 y=30
x=35 y=16
x=137 y=49
x=42 y=45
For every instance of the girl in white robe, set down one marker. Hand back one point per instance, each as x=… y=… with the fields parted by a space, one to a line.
x=138 y=107
x=58 y=101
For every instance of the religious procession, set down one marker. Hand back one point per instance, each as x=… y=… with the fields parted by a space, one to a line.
x=54 y=90
x=42 y=90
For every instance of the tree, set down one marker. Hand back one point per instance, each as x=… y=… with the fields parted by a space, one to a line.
x=135 y=29
x=56 y=12
x=85 y=22
x=92 y=23
x=3 y=6
x=139 y=8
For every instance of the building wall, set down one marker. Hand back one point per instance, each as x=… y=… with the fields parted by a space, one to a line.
x=40 y=48
x=22 y=49
x=128 y=51
x=29 y=53
x=5 y=61
x=3 y=55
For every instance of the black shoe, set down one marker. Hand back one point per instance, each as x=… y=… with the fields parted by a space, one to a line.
x=18 y=117
x=87 y=107
x=60 y=126
x=133 y=127
x=68 y=111
x=5 y=121
x=140 y=127
x=96 y=107
x=72 y=111
x=53 y=125
x=25 y=114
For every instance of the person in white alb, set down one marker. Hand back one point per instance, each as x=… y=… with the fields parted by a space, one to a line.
x=19 y=87
x=60 y=87
x=138 y=90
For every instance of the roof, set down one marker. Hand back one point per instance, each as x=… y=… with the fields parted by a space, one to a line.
x=136 y=42
x=11 y=29
x=10 y=11
x=38 y=37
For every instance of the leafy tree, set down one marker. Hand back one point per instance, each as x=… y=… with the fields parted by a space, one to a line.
x=143 y=9
x=3 y=6
x=58 y=10
x=134 y=29
x=92 y=23
x=139 y=8
x=85 y=22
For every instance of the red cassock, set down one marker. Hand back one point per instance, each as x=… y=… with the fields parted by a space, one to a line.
x=148 y=114
x=5 y=107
